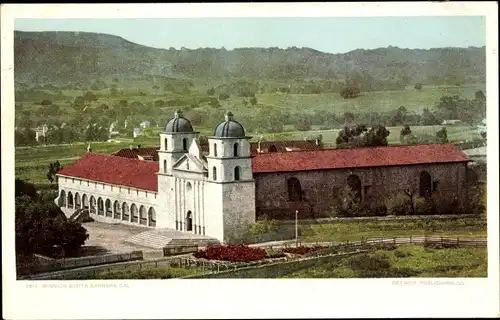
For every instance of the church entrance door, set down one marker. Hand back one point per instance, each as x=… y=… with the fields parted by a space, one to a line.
x=189 y=221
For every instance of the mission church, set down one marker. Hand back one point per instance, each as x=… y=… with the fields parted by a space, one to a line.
x=218 y=187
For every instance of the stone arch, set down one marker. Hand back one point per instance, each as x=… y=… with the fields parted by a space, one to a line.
x=70 y=200
x=189 y=221
x=85 y=201
x=425 y=184
x=354 y=183
x=151 y=217
x=214 y=173
x=215 y=149
x=62 y=199
x=237 y=171
x=143 y=218
x=236 y=147
x=134 y=213
x=272 y=148
x=294 y=189
x=184 y=144
x=100 y=206
x=78 y=201
x=125 y=212
x=109 y=212
x=116 y=210
x=92 y=204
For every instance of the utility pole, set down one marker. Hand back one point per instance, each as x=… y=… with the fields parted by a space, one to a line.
x=296 y=227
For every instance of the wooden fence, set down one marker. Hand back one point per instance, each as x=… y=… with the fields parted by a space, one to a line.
x=212 y=269
x=72 y=263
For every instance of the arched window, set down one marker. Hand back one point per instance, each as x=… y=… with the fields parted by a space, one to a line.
x=354 y=183
x=235 y=149
x=237 y=173
x=164 y=165
x=425 y=184
x=134 y=213
x=185 y=144
x=116 y=210
x=294 y=189
x=215 y=149
x=152 y=217
x=70 y=200
x=272 y=148
x=125 y=212
x=62 y=199
x=166 y=143
x=143 y=216
x=214 y=173
x=78 y=202
x=109 y=213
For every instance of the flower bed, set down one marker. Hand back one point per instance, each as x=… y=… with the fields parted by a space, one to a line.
x=232 y=253
x=303 y=250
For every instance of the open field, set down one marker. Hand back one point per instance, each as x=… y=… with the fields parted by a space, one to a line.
x=408 y=261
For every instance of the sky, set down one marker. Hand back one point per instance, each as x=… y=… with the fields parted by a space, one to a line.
x=332 y=34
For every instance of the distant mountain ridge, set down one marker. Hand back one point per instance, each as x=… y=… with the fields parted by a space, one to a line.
x=81 y=56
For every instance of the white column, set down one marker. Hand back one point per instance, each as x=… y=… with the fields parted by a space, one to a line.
x=203 y=227
x=193 y=201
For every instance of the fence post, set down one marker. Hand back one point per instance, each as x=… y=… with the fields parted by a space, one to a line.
x=410 y=239
x=458 y=241
x=394 y=240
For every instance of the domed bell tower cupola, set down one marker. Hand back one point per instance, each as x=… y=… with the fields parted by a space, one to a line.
x=174 y=141
x=229 y=157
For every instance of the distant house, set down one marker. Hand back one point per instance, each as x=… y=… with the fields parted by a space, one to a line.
x=451 y=122
x=137 y=132
x=145 y=124
x=41 y=132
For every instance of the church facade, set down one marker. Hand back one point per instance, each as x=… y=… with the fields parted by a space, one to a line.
x=219 y=188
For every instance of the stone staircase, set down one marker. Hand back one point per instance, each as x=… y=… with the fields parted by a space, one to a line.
x=80 y=215
x=160 y=238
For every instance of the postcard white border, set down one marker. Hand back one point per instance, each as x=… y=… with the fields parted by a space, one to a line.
x=248 y=298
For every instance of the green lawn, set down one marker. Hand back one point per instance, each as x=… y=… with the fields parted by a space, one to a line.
x=352 y=230
x=145 y=273
x=409 y=261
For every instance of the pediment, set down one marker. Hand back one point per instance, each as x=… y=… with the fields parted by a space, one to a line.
x=190 y=163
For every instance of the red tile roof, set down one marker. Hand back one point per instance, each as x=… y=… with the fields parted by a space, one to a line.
x=282 y=145
x=135 y=152
x=115 y=170
x=356 y=158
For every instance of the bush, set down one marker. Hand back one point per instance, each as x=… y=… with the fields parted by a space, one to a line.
x=303 y=250
x=232 y=253
x=398 y=205
x=370 y=266
x=264 y=226
x=402 y=254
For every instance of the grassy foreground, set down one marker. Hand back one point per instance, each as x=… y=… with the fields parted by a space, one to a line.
x=354 y=230
x=406 y=261
x=145 y=273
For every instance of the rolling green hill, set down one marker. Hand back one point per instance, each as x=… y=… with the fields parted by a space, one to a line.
x=62 y=57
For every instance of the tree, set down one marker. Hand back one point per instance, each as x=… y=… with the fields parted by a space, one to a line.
x=211 y=91
x=253 y=101
x=348 y=117
x=349 y=92
x=223 y=96
x=54 y=167
x=23 y=188
x=303 y=123
x=442 y=135
x=46 y=102
x=479 y=95
x=377 y=136
x=404 y=133
x=89 y=96
x=418 y=86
